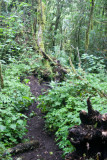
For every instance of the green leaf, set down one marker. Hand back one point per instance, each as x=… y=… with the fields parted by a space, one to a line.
x=2 y=128
x=44 y=1
x=20 y=122
x=26 y=81
x=28 y=98
x=13 y=126
x=51 y=153
x=8 y=40
x=14 y=118
x=1 y=29
x=1 y=119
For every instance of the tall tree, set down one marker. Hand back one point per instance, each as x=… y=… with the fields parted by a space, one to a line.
x=41 y=24
x=89 y=24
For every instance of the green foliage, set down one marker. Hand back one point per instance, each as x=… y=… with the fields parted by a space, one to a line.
x=15 y=98
x=65 y=27
x=2 y=149
x=93 y=63
x=60 y=55
x=14 y=26
x=10 y=46
x=65 y=101
x=37 y=65
x=67 y=23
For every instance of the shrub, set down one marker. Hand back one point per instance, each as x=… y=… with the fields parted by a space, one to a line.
x=65 y=101
x=15 y=98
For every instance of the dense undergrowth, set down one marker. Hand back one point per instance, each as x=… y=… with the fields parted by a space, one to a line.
x=20 y=57
x=62 y=104
x=15 y=98
x=65 y=101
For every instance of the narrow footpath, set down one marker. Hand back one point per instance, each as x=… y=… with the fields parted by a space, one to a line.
x=48 y=150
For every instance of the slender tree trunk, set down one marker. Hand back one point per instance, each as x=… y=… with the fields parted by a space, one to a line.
x=59 y=9
x=105 y=10
x=1 y=77
x=41 y=24
x=61 y=41
x=89 y=25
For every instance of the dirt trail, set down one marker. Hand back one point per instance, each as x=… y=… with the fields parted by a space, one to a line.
x=48 y=149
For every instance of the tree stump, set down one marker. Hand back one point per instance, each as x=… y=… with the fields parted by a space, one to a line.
x=90 y=137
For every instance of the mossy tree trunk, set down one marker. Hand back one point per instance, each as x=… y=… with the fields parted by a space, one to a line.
x=22 y=147
x=34 y=19
x=41 y=24
x=89 y=25
x=53 y=65
x=57 y=22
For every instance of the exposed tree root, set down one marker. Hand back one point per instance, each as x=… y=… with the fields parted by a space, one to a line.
x=90 y=138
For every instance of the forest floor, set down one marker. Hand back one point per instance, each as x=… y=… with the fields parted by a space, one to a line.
x=48 y=150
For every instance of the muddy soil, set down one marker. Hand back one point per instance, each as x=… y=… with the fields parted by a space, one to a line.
x=48 y=149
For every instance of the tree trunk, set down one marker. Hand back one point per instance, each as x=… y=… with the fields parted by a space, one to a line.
x=59 y=9
x=89 y=25
x=56 y=66
x=41 y=24
x=1 y=77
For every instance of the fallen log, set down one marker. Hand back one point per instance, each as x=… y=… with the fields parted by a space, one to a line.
x=90 y=137
x=56 y=66
x=22 y=147
x=55 y=63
